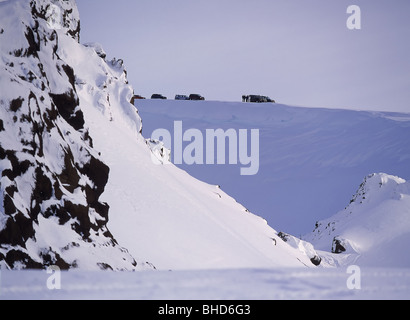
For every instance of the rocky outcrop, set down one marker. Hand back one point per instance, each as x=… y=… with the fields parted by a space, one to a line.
x=51 y=178
x=338 y=245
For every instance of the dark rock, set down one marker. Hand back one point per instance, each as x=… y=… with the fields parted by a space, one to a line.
x=104 y=266
x=70 y=74
x=284 y=236
x=18 y=168
x=51 y=258
x=16 y=104
x=83 y=225
x=70 y=176
x=17 y=230
x=43 y=187
x=338 y=246
x=2 y=153
x=33 y=40
x=18 y=258
x=316 y=260
x=9 y=207
x=66 y=104
x=98 y=172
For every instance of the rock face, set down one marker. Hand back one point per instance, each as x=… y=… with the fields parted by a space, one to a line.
x=51 y=178
x=338 y=245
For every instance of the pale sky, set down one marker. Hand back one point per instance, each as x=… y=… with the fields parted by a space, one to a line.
x=298 y=52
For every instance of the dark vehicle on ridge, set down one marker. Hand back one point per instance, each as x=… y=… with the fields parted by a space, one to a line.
x=181 y=97
x=196 y=97
x=158 y=96
x=257 y=99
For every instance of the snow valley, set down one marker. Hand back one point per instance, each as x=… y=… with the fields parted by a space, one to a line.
x=311 y=161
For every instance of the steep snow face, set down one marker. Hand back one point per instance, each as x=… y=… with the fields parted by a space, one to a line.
x=159 y=212
x=51 y=177
x=72 y=153
x=374 y=228
x=310 y=158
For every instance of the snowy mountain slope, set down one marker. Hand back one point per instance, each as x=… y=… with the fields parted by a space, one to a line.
x=374 y=229
x=159 y=212
x=79 y=187
x=51 y=176
x=310 y=158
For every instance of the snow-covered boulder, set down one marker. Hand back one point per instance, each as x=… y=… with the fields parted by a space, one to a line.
x=341 y=245
x=305 y=247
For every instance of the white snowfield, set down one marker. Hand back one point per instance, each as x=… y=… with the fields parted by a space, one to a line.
x=312 y=160
x=228 y=284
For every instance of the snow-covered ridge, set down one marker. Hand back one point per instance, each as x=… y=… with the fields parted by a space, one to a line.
x=374 y=228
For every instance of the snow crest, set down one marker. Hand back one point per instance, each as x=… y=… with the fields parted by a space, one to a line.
x=375 y=226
